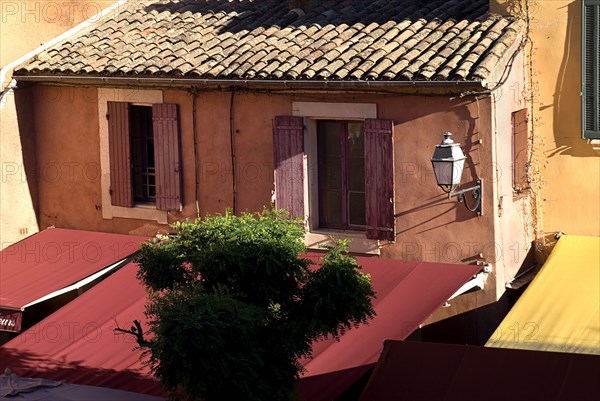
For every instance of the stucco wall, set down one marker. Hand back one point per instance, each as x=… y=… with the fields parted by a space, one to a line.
x=430 y=227
x=566 y=169
x=25 y=25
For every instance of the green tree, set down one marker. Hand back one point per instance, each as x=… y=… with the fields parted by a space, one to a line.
x=233 y=305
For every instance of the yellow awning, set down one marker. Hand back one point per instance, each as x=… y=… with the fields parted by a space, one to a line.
x=560 y=311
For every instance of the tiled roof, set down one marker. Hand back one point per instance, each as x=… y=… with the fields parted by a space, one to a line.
x=350 y=40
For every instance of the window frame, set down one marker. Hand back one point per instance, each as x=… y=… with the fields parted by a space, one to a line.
x=590 y=95
x=136 y=97
x=310 y=112
x=346 y=225
x=144 y=140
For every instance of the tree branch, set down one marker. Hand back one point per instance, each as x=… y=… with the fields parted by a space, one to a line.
x=136 y=331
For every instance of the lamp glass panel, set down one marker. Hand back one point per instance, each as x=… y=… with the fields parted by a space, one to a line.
x=443 y=172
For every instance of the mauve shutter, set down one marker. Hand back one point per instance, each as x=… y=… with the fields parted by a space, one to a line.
x=520 y=149
x=167 y=156
x=120 y=154
x=379 y=171
x=288 y=146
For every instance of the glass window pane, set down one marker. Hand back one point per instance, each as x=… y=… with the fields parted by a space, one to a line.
x=356 y=174
x=329 y=138
x=356 y=140
x=330 y=173
x=330 y=210
x=356 y=208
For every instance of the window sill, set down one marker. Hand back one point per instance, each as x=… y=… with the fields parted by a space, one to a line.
x=358 y=243
x=595 y=144
x=140 y=212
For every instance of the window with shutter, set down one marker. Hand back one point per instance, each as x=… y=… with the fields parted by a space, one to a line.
x=144 y=152
x=352 y=188
x=591 y=69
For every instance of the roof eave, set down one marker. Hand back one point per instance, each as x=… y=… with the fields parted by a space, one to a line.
x=433 y=87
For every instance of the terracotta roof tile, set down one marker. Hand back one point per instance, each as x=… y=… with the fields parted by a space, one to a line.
x=263 y=39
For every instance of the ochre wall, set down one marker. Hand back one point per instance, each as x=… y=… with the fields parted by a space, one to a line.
x=25 y=25
x=565 y=169
x=430 y=227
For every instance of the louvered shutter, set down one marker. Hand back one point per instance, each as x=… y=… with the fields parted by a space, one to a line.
x=167 y=156
x=288 y=146
x=379 y=171
x=120 y=154
x=591 y=69
x=520 y=149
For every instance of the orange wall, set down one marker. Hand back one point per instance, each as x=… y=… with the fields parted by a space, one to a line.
x=565 y=169
x=26 y=24
x=430 y=227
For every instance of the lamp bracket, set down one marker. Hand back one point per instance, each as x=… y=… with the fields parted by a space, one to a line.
x=476 y=192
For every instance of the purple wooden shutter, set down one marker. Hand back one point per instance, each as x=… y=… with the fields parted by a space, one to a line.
x=167 y=156
x=120 y=154
x=520 y=149
x=288 y=146
x=379 y=170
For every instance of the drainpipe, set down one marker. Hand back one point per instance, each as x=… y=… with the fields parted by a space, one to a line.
x=194 y=94
x=233 y=158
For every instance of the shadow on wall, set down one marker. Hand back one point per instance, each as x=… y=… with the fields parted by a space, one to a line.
x=25 y=116
x=567 y=130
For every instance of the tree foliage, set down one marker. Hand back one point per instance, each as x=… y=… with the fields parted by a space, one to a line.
x=233 y=305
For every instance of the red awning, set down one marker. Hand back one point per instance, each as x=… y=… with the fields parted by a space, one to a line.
x=51 y=260
x=78 y=344
x=407 y=294
x=415 y=371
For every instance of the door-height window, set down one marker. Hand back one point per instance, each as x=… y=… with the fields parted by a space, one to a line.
x=341 y=174
x=142 y=154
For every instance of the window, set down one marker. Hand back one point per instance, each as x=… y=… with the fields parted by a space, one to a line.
x=341 y=172
x=145 y=166
x=591 y=69
x=354 y=159
x=142 y=155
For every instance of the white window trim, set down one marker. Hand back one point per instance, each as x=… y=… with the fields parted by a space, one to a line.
x=316 y=237
x=135 y=96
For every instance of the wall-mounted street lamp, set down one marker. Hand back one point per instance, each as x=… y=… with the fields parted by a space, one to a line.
x=448 y=161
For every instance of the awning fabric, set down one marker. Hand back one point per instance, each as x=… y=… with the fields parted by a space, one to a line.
x=26 y=389
x=407 y=294
x=560 y=310
x=78 y=344
x=86 y=350
x=51 y=260
x=413 y=371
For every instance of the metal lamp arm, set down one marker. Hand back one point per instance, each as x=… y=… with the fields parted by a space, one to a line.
x=476 y=191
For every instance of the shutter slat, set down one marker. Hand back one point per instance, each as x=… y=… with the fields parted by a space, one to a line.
x=120 y=154
x=167 y=156
x=379 y=171
x=288 y=147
